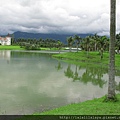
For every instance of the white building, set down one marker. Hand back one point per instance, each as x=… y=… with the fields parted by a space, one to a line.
x=5 y=40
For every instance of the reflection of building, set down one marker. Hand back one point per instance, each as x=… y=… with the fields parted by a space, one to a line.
x=5 y=54
x=5 y=40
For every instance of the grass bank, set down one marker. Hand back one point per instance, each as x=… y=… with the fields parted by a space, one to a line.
x=96 y=106
x=82 y=59
x=6 y=47
x=11 y=47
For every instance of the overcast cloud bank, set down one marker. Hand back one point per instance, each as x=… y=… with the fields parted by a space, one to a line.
x=56 y=16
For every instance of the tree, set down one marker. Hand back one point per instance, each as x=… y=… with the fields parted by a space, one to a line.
x=101 y=42
x=77 y=40
x=59 y=45
x=87 y=41
x=70 y=41
x=95 y=37
x=111 y=84
x=13 y=39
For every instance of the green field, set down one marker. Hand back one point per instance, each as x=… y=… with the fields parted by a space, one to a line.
x=10 y=47
x=93 y=59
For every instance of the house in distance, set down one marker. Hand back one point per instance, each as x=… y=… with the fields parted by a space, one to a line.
x=5 y=40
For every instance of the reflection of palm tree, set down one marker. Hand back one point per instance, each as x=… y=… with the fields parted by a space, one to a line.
x=85 y=77
x=59 y=66
x=69 y=73
x=75 y=76
x=92 y=74
x=95 y=75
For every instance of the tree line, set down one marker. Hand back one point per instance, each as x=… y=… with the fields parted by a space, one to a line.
x=89 y=43
x=34 y=44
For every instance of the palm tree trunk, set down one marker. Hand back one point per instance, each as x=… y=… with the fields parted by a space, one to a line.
x=70 y=48
x=95 y=46
x=111 y=84
x=77 y=47
x=101 y=53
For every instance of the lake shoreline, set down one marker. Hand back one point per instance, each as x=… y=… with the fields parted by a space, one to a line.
x=97 y=106
x=93 y=59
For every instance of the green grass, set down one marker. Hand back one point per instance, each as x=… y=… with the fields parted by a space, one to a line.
x=81 y=58
x=43 y=48
x=96 y=106
x=10 y=47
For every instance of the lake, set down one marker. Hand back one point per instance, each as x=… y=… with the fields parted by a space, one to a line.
x=34 y=82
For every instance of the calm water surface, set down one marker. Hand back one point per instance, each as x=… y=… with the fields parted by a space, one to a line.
x=34 y=82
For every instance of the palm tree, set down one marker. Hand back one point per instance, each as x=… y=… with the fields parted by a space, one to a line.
x=111 y=84
x=101 y=42
x=95 y=37
x=13 y=39
x=59 y=45
x=87 y=41
x=117 y=44
x=70 y=41
x=77 y=40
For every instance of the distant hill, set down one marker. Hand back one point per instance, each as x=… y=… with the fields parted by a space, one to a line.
x=61 y=37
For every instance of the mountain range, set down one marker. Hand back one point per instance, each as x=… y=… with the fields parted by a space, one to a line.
x=61 y=37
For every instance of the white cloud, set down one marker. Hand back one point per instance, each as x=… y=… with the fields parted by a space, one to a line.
x=60 y=16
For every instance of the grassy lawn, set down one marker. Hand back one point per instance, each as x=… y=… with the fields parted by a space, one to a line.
x=81 y=58
x=42 y=48
x=10 y=47
x=96 y=106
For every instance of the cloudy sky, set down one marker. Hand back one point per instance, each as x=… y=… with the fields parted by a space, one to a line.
x=56 y=16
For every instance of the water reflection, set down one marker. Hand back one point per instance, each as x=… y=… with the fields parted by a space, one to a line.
x=5 y=55
x=91 y=74
x=59 y=66
x=69 y=72
x=34 y=82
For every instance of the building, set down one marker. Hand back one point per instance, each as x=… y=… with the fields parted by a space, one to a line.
x=5 y=40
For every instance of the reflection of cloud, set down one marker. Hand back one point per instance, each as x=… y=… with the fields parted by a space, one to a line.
x=72 y=91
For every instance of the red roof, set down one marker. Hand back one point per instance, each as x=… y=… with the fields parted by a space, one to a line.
x=3 y=38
